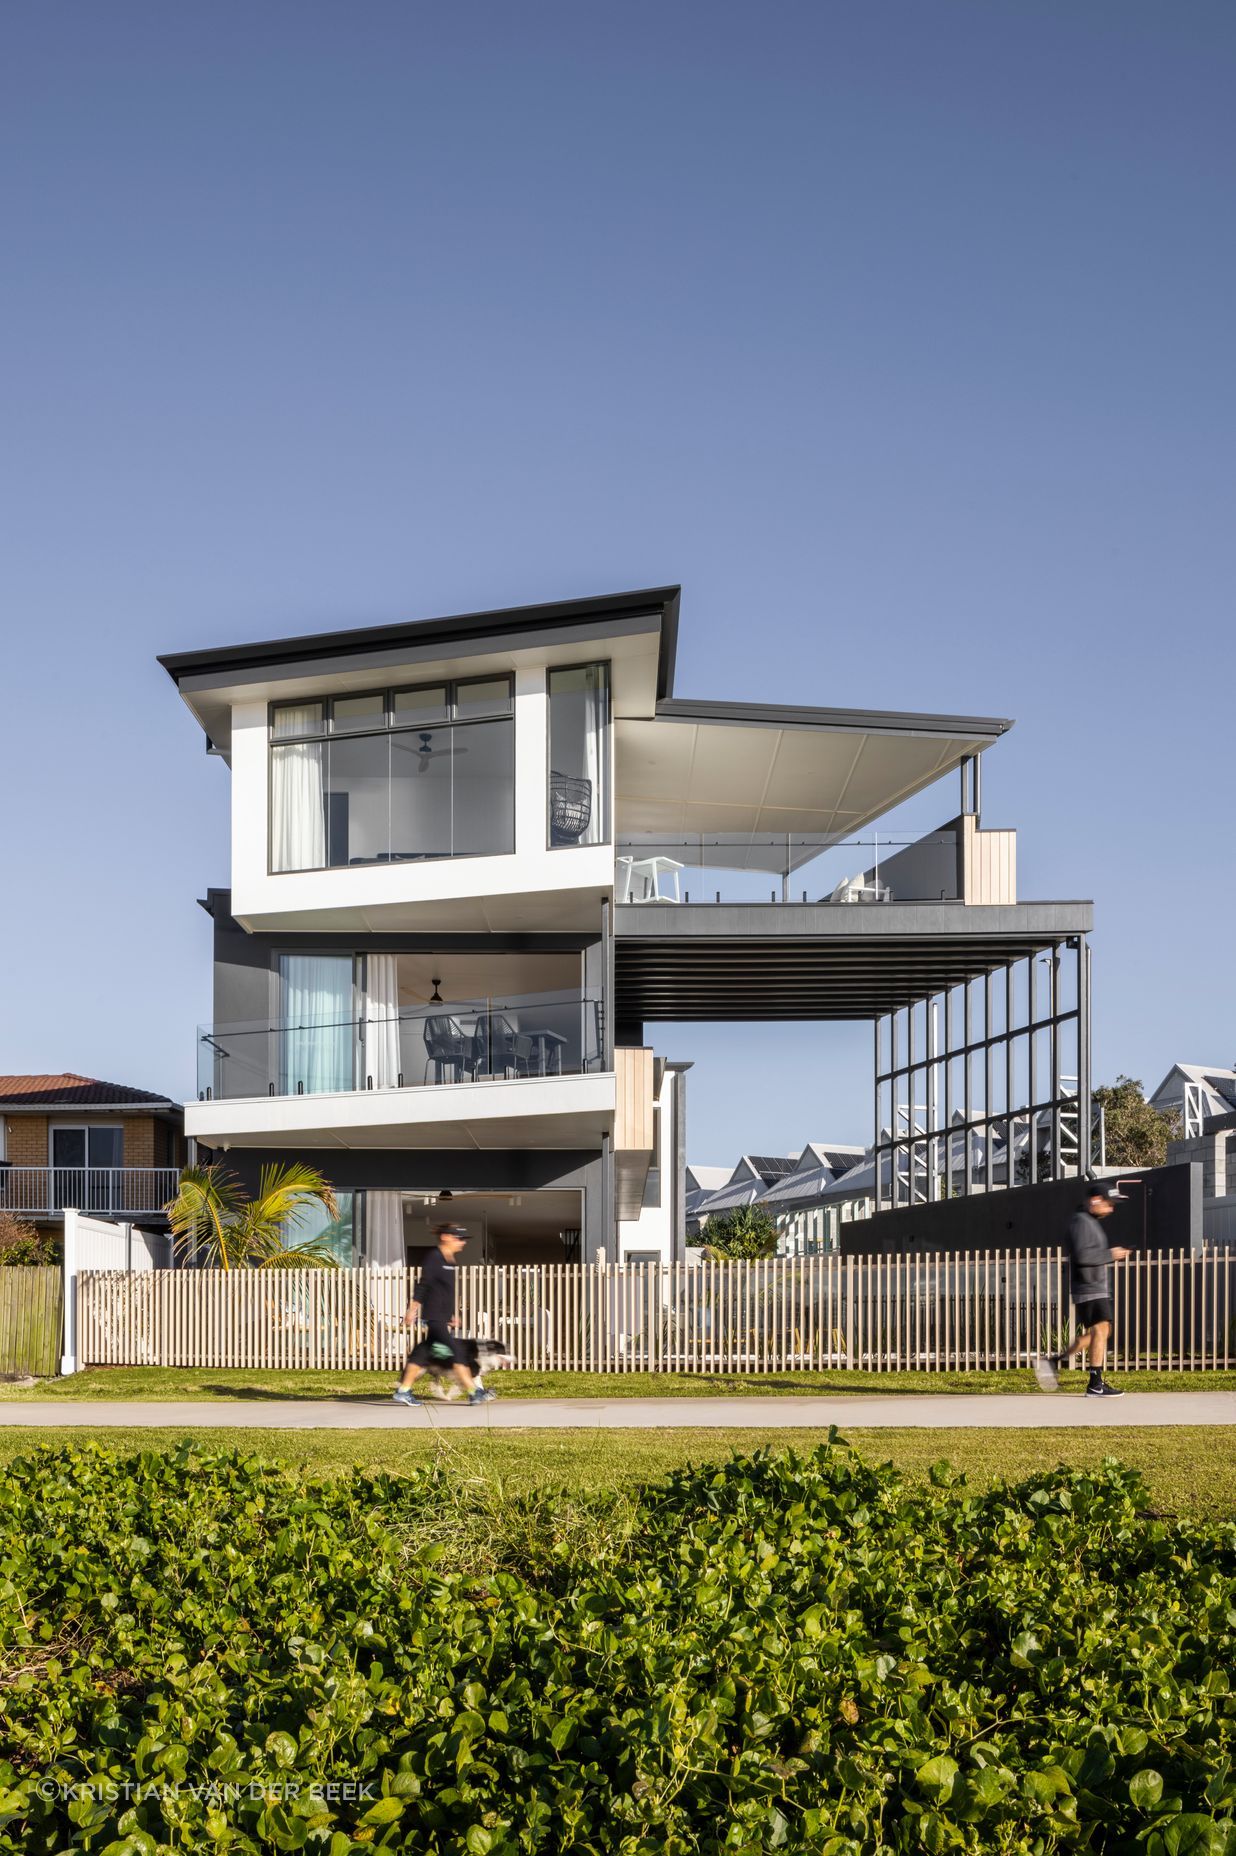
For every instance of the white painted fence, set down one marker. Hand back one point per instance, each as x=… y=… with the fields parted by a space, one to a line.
x=95 y=1244
x=877 y=1314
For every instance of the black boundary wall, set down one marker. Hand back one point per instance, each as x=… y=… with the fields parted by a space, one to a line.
x=1164 y=1212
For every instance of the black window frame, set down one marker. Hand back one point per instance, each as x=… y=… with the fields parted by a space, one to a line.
x=390 y=725
x=552 y=670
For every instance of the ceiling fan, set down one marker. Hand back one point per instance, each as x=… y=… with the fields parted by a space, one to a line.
x=427 y=751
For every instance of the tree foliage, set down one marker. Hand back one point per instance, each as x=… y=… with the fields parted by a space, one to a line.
x=22 y=1243
x=215 y=1221
x=1135 y=1133
x=747 y=1231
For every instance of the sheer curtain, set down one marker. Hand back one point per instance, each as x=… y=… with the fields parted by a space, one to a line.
x=383 y=1227
x=316 y=1042
x=595 y=717
x=382 y=1020
x=298 y=806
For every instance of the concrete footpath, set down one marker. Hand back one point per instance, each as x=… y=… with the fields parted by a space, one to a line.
x=943 y=1411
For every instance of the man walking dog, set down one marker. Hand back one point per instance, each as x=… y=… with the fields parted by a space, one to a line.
x=1090 y=1291
x=434 y=1301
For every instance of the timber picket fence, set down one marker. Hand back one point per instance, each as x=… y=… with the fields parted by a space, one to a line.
x=877 y=1314
x=31 y=1304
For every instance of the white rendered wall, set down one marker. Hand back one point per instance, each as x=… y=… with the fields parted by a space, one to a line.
x=389 y=894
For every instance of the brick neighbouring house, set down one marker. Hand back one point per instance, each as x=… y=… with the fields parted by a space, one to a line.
x=72 y=1140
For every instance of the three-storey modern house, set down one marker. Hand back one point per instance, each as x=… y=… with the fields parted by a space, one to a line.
x=464 y=853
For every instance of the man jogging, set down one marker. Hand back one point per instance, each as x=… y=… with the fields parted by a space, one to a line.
x=435 y=1302
x=1090 y=1291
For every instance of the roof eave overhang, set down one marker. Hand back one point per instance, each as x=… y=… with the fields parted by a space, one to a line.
x=834 y=721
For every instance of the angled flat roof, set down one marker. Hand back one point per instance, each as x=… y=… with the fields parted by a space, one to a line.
x=798 y=715
x=768 y=786
x=505 y=621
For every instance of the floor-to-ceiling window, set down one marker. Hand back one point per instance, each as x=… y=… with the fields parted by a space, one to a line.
x=579 y=755
x=393 y=776
x=318 y=1026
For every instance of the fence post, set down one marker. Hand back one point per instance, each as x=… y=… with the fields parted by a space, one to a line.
x=849 y=1311
x=68 y=1268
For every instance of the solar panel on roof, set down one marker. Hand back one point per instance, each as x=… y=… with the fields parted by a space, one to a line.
x=773 y=1166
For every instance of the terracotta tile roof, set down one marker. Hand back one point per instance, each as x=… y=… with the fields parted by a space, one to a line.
x=71 y=1091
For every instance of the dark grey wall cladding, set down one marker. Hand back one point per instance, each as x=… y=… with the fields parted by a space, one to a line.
x=244 y=976
x=1036 y=1218
x=246 y=965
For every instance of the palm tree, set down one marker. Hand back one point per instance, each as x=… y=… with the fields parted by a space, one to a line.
x=215 y=1221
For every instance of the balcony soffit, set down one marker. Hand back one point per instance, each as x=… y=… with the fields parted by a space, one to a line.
x=686 y=775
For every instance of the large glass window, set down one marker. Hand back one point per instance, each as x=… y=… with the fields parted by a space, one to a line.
x=358 y=827
x=317 y=1035
x=421 y=793
x=393 y=775
x=579 y=756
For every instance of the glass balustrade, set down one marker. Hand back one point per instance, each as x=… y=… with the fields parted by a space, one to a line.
x=458 y=1041
x=733 y=867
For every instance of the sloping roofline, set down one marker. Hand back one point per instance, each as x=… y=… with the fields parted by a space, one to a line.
x=503 y=622
x=797 y=715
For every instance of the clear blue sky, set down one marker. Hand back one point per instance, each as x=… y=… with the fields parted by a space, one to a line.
x=900 y=333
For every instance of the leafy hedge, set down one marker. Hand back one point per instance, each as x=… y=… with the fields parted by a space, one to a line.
x=786 y=1653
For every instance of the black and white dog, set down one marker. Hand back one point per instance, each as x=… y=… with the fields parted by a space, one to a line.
x=480 y=1357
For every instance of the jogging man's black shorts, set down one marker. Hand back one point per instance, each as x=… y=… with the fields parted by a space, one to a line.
x=1088 y=1313
x=439 y=1347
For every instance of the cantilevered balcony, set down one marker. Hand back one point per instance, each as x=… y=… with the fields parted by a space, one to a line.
x=958 y=862
x=508 y=1038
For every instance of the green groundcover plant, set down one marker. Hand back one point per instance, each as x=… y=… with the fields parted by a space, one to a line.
x=201 y=1652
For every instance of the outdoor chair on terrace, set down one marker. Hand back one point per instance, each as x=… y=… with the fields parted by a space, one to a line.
x=570 y=807
x=448 y=1048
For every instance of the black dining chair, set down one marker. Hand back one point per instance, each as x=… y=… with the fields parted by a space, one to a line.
x=510 y=1050
x=447 y=1047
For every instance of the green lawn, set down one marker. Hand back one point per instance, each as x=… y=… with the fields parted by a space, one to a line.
x=1189 y=1471
x=200 y=1383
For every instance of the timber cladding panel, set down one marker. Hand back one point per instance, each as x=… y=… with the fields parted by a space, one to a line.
x=989 y=864
x=634 y=1134
x=633 y=1098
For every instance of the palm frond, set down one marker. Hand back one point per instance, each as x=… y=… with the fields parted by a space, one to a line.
x=205 y=1213
x=314 y=1253
x=286 y=1197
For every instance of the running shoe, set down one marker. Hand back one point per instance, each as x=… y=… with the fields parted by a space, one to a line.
x=481 y=1396
x=1047 y=1372
x=402 y=1396
x=1103 y=1390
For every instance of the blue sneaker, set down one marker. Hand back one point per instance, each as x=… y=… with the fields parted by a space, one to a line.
x=481 y=1396
x=402 y=1396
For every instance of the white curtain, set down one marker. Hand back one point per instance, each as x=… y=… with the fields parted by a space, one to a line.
x=595 y=717
x=383 y=1230
x=382 y=1020
x=298 y=809
x=317 y=1039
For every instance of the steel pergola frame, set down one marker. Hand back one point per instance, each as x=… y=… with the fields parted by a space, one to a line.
x=985 y=1084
